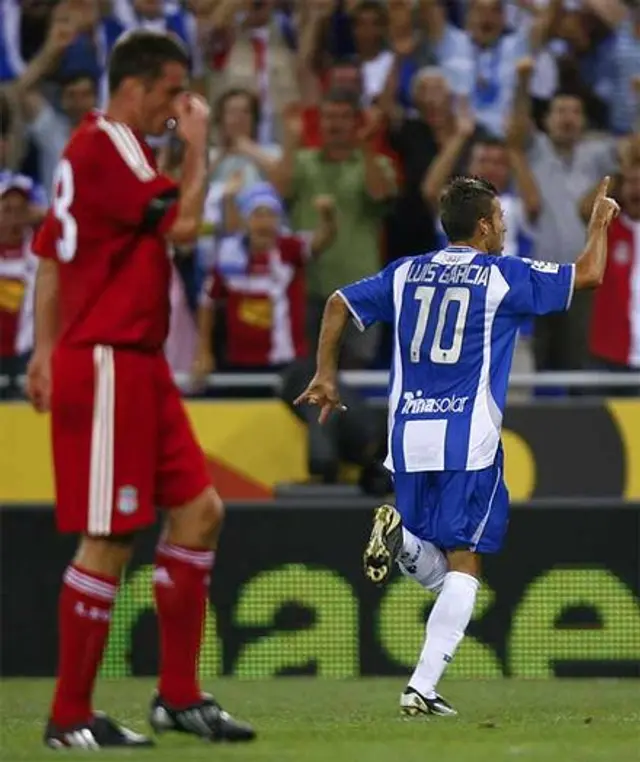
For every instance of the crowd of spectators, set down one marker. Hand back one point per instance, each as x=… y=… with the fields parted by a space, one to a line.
x=336 y=124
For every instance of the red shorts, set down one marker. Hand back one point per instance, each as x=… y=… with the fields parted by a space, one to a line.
x=122 y=442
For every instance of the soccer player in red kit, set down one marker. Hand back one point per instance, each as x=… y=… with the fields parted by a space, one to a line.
x=122 y=443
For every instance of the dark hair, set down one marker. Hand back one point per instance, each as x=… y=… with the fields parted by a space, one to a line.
x=491 y=141
x=78 y=76
x=143 y=54
x=238 y=92
x=346 y=62
x=464 y=202
x=341 y=96
x=567 y=94
x=6 y=116
x=373 y=6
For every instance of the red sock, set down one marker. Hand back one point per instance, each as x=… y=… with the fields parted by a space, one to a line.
x=84 y=611
x=180 y=584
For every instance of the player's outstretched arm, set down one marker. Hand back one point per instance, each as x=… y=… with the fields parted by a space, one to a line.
x=591 y=263
x=193 y=122
x=323 y=388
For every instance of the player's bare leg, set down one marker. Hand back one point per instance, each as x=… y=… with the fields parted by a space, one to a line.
x=184 y=560
x=89 y=589
x=446 y=626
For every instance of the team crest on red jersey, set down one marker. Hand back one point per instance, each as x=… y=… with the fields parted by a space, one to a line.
x=127 y=500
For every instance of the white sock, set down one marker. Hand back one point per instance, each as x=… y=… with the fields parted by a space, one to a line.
x=422 y=561
x=446 y=625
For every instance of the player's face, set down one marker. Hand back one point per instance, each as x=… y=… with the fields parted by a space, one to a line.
x=157 y=102
x=338 y=125
x=263 y=225
x=485 y=21
x=78 y=99
x=495 y=230
x=148 y=9
x=237 y=118
x=630 y=193
x=491 y=163
x=565 y=121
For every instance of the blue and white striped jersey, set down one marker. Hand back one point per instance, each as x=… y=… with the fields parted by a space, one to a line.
x=456 y=315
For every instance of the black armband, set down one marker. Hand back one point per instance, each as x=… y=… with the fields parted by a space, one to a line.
x=158 y=207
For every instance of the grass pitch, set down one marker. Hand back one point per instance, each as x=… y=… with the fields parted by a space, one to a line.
x=309 y=720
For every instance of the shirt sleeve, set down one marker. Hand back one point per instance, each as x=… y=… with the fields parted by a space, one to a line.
x=370 y=300
x=128 y=187
x=537 y=288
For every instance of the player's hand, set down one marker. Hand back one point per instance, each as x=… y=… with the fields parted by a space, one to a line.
x=203 y=366
x=193 y=112
x=39 y=381
x=605 y=209
x=323 y=392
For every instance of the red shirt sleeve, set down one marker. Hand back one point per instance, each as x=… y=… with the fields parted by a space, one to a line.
x=126 y=179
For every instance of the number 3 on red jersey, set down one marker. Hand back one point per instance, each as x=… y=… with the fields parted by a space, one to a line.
x=64 y=189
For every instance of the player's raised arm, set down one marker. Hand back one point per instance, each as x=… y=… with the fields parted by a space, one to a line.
x=193 y=126
x=591 y=263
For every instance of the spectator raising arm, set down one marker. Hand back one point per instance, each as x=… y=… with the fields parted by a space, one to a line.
x=517 y=143
x=313 y=23
x=445 y=162
x=380 y=184
x=326 y=229
x=62 y=32
x=282 y=174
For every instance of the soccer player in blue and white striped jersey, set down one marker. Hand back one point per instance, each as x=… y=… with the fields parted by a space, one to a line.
x=455 y=315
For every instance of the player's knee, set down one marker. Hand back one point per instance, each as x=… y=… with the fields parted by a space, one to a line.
x=199 y=523
x=465 y=561
x=104 y=555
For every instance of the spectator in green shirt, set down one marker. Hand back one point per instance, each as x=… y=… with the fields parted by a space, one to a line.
x=362 y=183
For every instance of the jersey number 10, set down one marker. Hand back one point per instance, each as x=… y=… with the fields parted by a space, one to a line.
x=64 y=190
x=439 y=354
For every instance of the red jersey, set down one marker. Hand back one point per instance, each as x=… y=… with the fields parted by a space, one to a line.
x=266 y=300
x=615 y=318
x=114 y=268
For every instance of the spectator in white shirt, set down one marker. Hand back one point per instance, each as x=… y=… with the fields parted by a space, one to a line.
x=369 y=33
